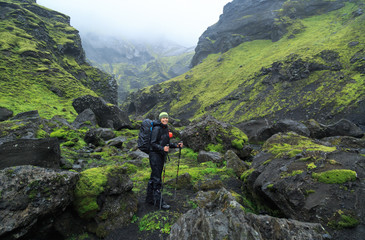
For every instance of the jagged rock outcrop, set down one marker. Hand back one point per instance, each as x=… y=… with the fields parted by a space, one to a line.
x=222 y=217
x=31 y=198
x=311 y=181
x=247 y=20
x=261 y=130
x=108 y=116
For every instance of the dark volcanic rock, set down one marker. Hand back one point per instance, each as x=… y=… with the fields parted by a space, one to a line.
x=5 y=114
x=306 y=180
x=31 y=196
x=209 y=130
x=108 y=116
x=222 y=217
x=38 y=152
x=86 y=118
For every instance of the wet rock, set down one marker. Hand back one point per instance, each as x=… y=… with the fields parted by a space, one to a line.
x=224 y=218
x=29 y=195
x=214 y=157
x=24 y=128
x=116 y=142
x=107 y=115
x=105 y=205
x=208 y=130
x=5 y=114
x=138 y=155
x=309 y=180
x=26 y=115
x=86 y=118
x=235 y=163
x=38 y=152
x=344 y=127
x=183 y=182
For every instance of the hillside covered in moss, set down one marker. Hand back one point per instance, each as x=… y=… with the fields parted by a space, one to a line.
x=315 y=70
x=42 y=63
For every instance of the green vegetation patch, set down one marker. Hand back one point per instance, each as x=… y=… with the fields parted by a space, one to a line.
x=291 y=144
x=338 y=176
x=161 y=221
x=342 y=219
x=90 y=185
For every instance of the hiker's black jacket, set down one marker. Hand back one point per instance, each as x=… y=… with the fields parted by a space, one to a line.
x=160 y=138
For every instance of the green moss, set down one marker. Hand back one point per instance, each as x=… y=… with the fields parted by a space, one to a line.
x=291 y=144
x=307 y=192
x=293 y=173
x=247 y=173
x=337 y=176
x=90 y=185
x=311 y=166
x=72 y=138
x=161 y=221
x=189 y=153
x=342 y=219
x=215 y=148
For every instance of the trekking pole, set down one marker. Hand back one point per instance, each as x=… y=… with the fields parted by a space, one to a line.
x=177 y=173
x=163 y=179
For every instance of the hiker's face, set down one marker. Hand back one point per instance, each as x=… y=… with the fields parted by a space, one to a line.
x=164 y=120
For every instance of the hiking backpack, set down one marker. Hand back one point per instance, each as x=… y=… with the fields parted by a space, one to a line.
x=144 y=136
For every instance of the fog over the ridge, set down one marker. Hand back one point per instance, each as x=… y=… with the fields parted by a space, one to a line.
x=181 y=21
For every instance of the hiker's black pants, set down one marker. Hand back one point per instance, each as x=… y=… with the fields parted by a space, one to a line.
x=157 y=160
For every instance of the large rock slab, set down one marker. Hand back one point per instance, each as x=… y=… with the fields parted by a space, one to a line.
x=104 y=198
x=311 y=181
x=222 y=217
x=209 y=131
x=29 y=195
x=38 y=152
x=107 y=115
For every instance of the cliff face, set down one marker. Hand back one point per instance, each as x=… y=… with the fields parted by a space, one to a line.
x=41 y=54
x=247 y=20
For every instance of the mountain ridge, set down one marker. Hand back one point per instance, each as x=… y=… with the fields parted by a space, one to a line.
x=283 y=79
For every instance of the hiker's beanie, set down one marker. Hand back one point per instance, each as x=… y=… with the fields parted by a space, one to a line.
x=163 y=114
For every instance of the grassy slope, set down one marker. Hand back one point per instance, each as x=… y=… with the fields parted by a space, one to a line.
x=29 y=68
x=221 y=74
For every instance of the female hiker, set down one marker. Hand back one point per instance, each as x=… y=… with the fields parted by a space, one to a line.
x=160 y=146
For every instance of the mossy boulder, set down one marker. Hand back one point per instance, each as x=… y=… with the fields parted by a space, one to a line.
x=31 y=198
x=309 y=180
x=210 y=134
x=220 y=216
x=103 y=196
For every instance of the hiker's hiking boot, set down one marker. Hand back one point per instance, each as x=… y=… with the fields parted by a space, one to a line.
x=159 y=201
x=149 y=196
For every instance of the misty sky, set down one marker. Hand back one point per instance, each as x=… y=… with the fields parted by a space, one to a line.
x=182 y=21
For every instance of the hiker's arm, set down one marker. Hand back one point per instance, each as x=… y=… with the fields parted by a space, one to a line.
x=154 y=140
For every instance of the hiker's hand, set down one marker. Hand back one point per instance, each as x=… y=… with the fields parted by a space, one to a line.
x=180 y=145
x=166 y=148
